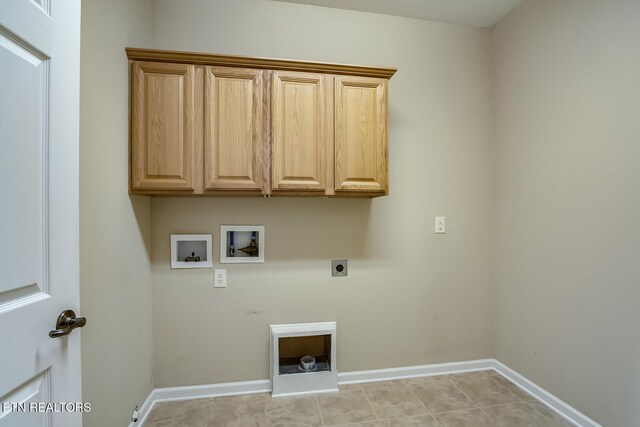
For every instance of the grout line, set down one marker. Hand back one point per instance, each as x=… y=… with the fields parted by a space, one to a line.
x=498 y=404
x=487 y=414
x=504 y=387
x=264 y=411
x=457 y=410
x=547 y=416
x=420 y=400
x=465 y=394
x=516 y=385
x=368 y=401
x=319 y=409
x=476 y=403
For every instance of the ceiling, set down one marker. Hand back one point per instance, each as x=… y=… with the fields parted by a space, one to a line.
x=478 y=13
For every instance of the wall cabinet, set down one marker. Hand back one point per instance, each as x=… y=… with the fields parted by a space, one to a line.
x=224 y=125
x=361 y=134
x=162 y=117
x=301 y=131
x=234 y=149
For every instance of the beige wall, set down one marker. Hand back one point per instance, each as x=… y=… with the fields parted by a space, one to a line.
x=411 y=297
x=555 y=301
x=115 y=274
x=567 y=270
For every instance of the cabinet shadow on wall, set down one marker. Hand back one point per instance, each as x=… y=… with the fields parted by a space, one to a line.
x=141 y=206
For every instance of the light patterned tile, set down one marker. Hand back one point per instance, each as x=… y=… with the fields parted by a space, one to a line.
x=168 y=422
x=162 y=412
x=427 y=380
x=364 y=424
x=517 y=414
x=440 y=395
x=419 y=421
x=557 y=419
x=359 y=405
x=393 y=401
x=293 y=411
x=347 y=387
x=239 y=411
x=345 y=407
x=512 y=387
x=195 y=411
x=393 y=383
x=498 y=378
x=467 y=418
x=483 y=390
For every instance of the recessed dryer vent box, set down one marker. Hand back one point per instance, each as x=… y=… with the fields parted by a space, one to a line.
x=191 y=251
x=291 y=345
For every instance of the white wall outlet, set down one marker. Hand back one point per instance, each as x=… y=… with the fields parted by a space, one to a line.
x=439 y=225
x=220 y=278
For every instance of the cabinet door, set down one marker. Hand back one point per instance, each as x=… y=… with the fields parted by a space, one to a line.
x=300 y=114
x=162 y=119
x=361 y=134
x=234 y=147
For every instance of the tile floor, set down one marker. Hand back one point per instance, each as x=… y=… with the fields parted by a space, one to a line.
x=476 y=399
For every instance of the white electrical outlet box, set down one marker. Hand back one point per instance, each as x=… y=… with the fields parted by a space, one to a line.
x=439 y=225
x=220 y=278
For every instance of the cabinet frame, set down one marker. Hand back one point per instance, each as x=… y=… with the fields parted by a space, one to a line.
x=212 y=143
x=346 y=180
x=198 y=175
x=140 y=138
x=283 y=155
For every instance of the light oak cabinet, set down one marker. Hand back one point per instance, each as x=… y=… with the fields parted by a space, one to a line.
x=302 y=134
x=234 y=149
x=162 y=139
x=206 y=124
x=361 y=134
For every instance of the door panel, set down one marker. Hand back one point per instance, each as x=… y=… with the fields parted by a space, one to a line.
x=361 y=134
x=39 y=127
x=163 y=115
x=33 y=391
x=22 y=210
x=301 y=107
x=233 y=134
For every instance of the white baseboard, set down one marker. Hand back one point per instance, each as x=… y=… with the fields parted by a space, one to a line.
x=552 y=402
x=389 y=374
x=144 y=409
x=167 y=394
x=171 y=394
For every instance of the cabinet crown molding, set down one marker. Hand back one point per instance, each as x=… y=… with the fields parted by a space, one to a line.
x=198 y=58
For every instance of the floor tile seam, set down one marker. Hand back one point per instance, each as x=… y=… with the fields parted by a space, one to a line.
x=497 y=404
x=455 y=410
x=357 y=423
x=415 y=416
x=517 y=397
x=319 y=409
x=483 y=408
x=436 y=420
x=548 y=417
x=421 y=402
x=465 y=394
x=370 y=405
x=518 y=400
x=488 y=414
x=264 y=411
x=402 y=387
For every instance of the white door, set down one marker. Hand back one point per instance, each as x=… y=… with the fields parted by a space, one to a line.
x=39 y=120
